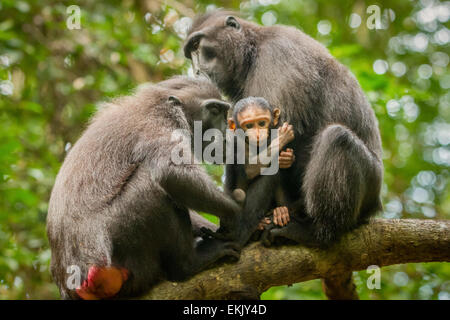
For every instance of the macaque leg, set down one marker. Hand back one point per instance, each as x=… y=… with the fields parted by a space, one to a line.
x=106 y=282
x=263 y=223
x=184 y=256
x=339 y=162
x=258 y=201
x=342 y=182
x=295 y=231
x=280 y=218
x=205 y=253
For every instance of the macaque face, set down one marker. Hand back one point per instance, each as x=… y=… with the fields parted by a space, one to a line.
x=255 y=122
x=211 y=45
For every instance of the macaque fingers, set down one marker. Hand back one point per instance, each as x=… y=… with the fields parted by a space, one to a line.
x=285 y=216
x=275 y=216
x=263 y=223
x=286 y=158
x=281 y=216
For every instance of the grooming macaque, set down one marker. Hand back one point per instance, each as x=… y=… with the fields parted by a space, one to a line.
x=334 y=184
x=120 y=208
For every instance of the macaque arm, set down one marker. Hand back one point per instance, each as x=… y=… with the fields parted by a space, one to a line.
x=190 y=185
x=285 y=135
x=254 y=169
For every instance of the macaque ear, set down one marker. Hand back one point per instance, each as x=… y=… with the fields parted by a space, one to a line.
x=174 y=100
x=231 y=124
x=232 y=22
x=276 y=116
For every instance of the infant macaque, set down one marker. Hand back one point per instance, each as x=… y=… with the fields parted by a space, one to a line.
x=256 y=117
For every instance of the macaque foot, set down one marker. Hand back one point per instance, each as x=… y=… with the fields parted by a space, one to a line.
x=228 y=231
x=271 y=234
x=293 y=232
x=266 y=237
x=220 y=234
x=263 y=223
x=102 y=283
x=280 y=218
x=211 y=250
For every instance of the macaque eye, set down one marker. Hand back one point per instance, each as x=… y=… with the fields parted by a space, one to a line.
x=262 y=123
x=249 y=125
x=208 y=53
x=232 y=22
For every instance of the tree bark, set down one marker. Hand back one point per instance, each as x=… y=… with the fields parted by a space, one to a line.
x=340 y=287
x=382 y=242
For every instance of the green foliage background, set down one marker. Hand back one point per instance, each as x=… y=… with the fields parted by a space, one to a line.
x=52 y=77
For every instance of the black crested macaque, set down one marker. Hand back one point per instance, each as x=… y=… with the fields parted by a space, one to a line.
x=119 y=209
x=253 y=120
x=256 y=118
x=334 y=184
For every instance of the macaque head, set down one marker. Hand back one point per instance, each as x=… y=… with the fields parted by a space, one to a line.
x=255 y=116
x=200 y=100
x=217 y=44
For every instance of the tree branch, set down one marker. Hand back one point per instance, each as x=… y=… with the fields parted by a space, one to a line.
x=382 y=242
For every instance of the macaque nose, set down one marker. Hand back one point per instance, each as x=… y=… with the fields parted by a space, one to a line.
x=197 y=73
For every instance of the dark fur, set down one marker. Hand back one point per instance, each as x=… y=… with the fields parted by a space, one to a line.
x=336 y=179
x=243 y=104
x=119 y=200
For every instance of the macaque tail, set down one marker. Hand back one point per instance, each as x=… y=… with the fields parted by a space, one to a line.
x=102 y=283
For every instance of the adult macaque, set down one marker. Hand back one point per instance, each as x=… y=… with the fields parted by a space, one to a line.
x=119 y=209
x=334 y=184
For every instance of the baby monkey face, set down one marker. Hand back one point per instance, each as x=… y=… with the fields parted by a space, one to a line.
x=255 y=122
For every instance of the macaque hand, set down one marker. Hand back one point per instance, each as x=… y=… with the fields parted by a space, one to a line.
x=286 y=158
x=285 y=134
x=281 y=216
x=263 y=223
